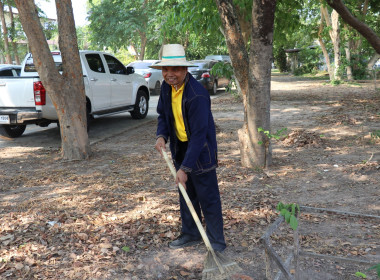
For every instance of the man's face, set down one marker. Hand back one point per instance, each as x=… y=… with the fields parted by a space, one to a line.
x=174 y=75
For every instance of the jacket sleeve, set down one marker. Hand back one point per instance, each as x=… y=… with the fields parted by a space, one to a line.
x=198 y=117
x=162 y=126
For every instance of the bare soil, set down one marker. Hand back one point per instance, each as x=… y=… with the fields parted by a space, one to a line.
x=111 y=217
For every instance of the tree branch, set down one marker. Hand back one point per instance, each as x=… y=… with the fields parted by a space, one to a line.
x=361 y=27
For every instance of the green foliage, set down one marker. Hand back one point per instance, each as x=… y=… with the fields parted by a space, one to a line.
x=286 y=22
x=125 y=249
x=290 y=212
x=224 y=69
x=117 y=23
x=50 y=30
x=278 y=135
x=310 y=60
x=335 y=82
x=358 y=65
x=377 y=268
x=196 y=25
x=280 y=59
x=124 y=56
x=120 y=23
x=375 y=135
x=361 y=275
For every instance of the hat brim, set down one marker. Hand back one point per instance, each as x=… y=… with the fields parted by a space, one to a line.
x=161 y=64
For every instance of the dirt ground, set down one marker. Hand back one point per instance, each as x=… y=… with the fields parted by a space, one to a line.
x=111 y=217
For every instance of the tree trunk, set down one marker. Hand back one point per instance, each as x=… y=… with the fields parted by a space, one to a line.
x=143 y=45
x=252 y=76
x=261 y=57
x=361 y=27
x=363 y=7
x=12 y=35
x=348 y=56
x=294 y=62
x=324 y=50
x=335 y=33
x=137 y=56
x=5 y=34
x=67 y=90
x=372 y=61
x=245 y=25
x=333 y=25
x=236 y=48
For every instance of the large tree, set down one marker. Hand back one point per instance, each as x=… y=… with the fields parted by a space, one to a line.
x=332 y=23
x=119 y=23
x=361 y=27
x=253 y=75
x=66 y=90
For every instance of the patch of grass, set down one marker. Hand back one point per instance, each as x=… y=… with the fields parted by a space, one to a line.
x=316 y=76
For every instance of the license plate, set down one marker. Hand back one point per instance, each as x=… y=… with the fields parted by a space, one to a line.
x=4 y=119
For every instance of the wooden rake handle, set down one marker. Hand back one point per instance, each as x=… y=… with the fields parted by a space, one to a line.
x=193 y=213
x=189 y=204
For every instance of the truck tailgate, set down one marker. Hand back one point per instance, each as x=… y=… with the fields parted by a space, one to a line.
x=17 y=92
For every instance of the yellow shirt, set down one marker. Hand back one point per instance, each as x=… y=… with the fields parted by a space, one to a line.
x=177 y=112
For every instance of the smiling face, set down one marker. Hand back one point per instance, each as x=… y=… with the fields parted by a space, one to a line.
x=174 y=75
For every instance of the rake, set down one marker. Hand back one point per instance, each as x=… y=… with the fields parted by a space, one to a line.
x=216 y=265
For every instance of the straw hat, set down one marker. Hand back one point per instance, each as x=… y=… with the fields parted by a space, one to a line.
x=172 y=55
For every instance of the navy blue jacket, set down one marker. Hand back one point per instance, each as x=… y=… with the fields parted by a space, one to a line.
x=201 y=155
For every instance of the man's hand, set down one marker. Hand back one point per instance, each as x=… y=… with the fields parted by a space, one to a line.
x=160 y=144
x=181 y=178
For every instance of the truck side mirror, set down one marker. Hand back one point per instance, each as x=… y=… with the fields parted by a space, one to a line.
x=130 y=70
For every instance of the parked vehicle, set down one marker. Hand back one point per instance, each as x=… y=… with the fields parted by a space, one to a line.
x=152 y=76
x=219 y=57
x=110 y=88
x=10 y=70
x=202 y=74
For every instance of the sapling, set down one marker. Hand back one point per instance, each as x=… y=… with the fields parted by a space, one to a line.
x=363 y=276
x=290 y=212
x=279 y=134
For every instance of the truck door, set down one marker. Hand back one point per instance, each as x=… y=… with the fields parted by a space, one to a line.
x=99 y=82
x=121 y=82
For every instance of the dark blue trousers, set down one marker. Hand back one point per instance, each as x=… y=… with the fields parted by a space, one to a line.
x=203 y=192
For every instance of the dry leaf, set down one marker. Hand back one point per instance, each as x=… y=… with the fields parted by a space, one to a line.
x=184 y=273
x=105 y=245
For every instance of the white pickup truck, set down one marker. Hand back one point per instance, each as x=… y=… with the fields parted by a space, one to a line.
x=110 y=88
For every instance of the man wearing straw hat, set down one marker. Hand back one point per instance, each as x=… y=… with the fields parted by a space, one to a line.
x=186 y=121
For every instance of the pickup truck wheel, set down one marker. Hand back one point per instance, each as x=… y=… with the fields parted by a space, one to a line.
x=12 y=131
x=141 y=106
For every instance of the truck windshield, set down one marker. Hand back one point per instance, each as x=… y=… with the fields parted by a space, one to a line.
x=30 y=67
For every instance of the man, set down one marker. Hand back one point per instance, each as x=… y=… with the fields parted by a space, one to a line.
x=186 y=121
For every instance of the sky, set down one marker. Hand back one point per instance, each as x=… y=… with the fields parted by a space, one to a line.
x=79 y=8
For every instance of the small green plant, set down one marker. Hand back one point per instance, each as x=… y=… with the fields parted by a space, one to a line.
x=125 y=249
x=377 y=267
x=290 y=212
x=363 y=276
x=279 y=134
x=375 y=134
x=336 y=82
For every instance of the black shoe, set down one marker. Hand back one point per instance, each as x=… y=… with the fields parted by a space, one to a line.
x=184 y=240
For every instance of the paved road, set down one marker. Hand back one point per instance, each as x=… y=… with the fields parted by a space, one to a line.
x=35 y=136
